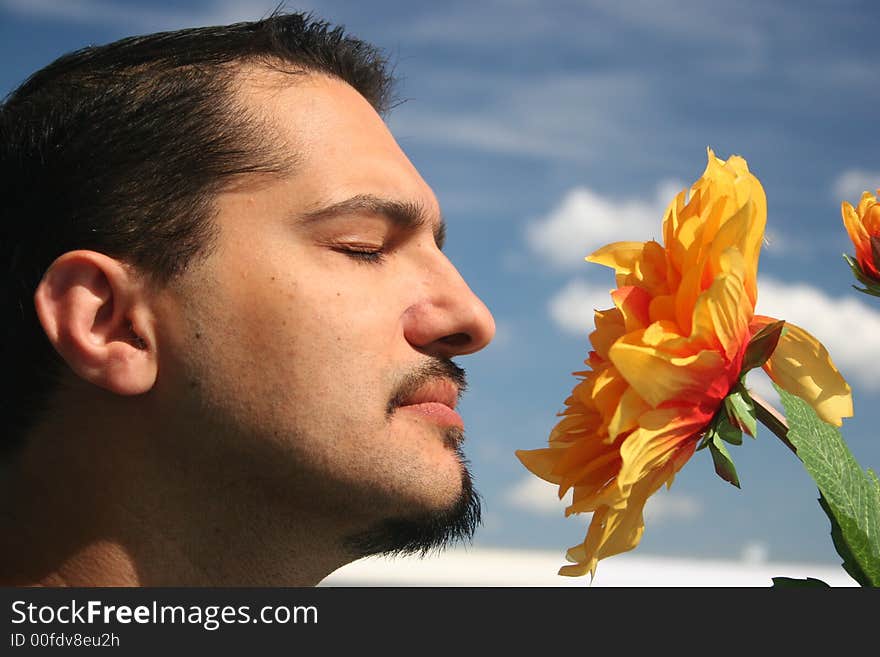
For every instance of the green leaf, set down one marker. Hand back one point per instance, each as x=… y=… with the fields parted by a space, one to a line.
x=872 y=286
x=850 y=496
x=791 y=583
x=727 y=431
x=741 y=410
x=762 y=345
x=707 y=438
x=856 y=269
x=723 y=463
x=850 y=565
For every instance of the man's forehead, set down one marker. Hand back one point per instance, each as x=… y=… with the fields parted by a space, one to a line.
x=313 y=115
x=301 y=103
x=344 y=158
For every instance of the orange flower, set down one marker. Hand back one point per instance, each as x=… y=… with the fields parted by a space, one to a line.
x=665 y=357
x=863 y=225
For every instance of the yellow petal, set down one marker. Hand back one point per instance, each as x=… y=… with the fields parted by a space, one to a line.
x=633 y=303
x=672 y=221
x=609 y=327
x=857 y=233
x=574 y=425
x=802 y=366
x=584 y=559
x=650 y=447
x=616 y=528
x=620 y=256
x=652 y=270
x=607 y=391
x=865 y=202
x=745 y=231
x=541 y=462
x=662 y=309
x=659 y=376
x=590 y=469
x=723 y=312
x=600 y=491
x=871 y=219
x=626 y=415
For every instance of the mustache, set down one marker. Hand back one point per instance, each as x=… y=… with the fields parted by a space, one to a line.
x=436 y=368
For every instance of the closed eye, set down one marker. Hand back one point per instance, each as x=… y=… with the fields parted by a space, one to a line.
x=362 y=254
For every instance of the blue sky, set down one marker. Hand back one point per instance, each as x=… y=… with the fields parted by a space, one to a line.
x=550 y=128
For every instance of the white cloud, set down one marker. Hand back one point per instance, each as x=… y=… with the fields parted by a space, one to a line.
x=847 y=326
x=572 y=117
x=478 y=131
x=506 y=567
x=754 y=552
x=572 y=307
x=585 y=220
x=850 y=184
x=664 y=506
x=760 y=385
x=537 y=496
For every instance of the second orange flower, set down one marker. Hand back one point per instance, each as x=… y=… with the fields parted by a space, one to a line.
x=863 y=226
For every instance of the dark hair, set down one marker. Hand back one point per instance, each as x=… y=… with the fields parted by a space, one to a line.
x=121 y=149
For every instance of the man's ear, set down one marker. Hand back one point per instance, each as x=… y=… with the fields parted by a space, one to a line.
x=95 y=311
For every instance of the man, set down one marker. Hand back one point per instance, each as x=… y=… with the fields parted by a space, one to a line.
x=228 y=319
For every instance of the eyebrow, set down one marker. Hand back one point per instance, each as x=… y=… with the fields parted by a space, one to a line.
x=408 y=215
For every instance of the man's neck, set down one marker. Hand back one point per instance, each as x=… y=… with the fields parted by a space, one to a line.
x=81 y=507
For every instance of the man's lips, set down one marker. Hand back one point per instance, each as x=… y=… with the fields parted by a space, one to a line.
x=440 y=391
x=435 y=401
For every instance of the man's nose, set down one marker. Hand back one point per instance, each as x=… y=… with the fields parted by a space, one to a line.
x=448 y=319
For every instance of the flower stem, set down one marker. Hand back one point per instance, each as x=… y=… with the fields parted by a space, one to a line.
x=772 y=419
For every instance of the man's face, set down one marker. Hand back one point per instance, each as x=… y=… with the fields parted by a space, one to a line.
x=312 y=346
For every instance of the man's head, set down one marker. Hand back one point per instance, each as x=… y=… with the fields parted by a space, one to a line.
x=212 y=234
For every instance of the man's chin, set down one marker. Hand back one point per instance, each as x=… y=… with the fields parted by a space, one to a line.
x=428 y=532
